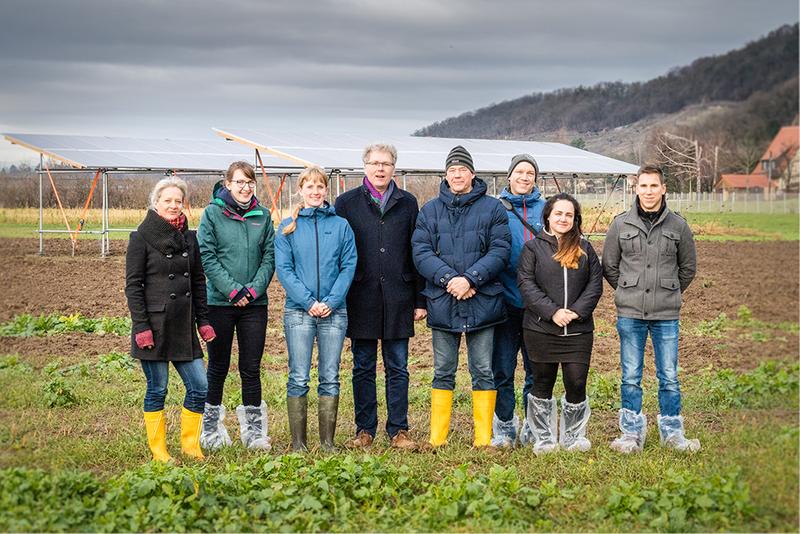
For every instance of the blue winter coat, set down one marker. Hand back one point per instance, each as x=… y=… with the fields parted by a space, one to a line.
x=462 y=235
x=530 y=207
x=317 y=261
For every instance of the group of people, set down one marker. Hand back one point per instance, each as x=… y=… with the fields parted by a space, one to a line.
x=510 y=274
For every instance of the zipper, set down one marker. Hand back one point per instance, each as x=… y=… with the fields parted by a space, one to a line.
x=565 y=295
x=316 y=238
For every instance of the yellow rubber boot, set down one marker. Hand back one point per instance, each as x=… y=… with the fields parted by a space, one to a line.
x=482 y=412
x=157 y=435
x=441 y=410
x=191 y=423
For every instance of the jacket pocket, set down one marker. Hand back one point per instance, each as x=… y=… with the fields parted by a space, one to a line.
x=155 y=308
x=433 y=292
x=630 y=242
x=409 y=277
x=669 y=242
x=670 y=283
x=631 y=280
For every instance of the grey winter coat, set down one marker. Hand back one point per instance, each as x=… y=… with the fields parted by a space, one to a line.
x=649 y=269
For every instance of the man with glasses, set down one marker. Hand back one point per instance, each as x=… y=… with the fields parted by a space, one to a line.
x=461 y=245
x=384 y=299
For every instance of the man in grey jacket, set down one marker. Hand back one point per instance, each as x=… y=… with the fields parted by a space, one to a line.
x=649 y=259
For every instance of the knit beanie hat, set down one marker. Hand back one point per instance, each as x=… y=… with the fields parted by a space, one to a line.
x=459 y=156
x=519 y=158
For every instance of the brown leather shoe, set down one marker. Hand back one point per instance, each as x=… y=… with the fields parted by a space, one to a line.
x=402 y=441
x=362 y=440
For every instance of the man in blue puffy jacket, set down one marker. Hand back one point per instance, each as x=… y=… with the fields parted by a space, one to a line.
x=461 y=244
x=523 y=202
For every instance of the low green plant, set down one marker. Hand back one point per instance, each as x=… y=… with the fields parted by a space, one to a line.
x=712 y=327
x=680 y=501
x=59 y=393
x=13 y=362
x=756 y=388
x=26 y=325
x=603 y=390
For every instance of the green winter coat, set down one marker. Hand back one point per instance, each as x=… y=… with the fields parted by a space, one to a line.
x=237 y=251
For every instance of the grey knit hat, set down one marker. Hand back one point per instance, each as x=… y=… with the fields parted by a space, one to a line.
x=519 y=158
x=459 y=156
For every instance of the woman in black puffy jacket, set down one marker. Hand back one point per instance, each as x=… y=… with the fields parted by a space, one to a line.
x=561 y=280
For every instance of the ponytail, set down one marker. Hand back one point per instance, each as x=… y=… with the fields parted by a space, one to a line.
x=292 y=226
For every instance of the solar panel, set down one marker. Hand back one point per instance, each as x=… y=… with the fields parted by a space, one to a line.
x=138 y=153
x=426 y=154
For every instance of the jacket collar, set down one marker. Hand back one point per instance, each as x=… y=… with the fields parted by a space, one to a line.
x=394 y=196
x=632 y=217
x=325 y=210
x=457 y=201
x=519 y=200
x=160 y=234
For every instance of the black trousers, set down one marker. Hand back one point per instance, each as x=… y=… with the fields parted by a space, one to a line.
x=575 y=374
x=250 y=325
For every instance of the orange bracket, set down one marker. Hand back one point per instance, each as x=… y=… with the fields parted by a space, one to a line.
x=82 y=220
x=266 y=183
x=60 y=207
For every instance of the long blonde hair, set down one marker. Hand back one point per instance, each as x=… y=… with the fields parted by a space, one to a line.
x=314 y=173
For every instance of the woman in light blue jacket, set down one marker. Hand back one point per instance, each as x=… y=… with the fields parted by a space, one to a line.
x=315 y=256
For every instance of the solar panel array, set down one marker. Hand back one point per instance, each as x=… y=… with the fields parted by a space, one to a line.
x=428 y=153
x=211 y=154
x=286 y=151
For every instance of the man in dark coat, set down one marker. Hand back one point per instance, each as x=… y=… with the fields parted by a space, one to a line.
x=461 y=244
x=384 y=299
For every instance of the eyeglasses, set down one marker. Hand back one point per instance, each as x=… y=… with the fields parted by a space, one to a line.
x=380 y=164
x=244 y=184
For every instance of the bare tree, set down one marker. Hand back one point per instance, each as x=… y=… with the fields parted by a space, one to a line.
x=681 y=158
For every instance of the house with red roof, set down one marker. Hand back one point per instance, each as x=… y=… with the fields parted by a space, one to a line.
x=776 y=171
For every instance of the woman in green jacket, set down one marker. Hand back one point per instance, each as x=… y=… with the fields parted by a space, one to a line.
x=236 y=246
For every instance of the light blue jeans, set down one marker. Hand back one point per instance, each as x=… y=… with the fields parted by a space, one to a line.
x=301 y=330
x=193 y=374
x=479 y=356
x=633 y=337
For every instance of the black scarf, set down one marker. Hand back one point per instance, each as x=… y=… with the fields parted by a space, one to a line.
x=161 y=235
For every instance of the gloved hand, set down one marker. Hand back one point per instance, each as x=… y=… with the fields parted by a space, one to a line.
x=207 y=332
x=144 y=340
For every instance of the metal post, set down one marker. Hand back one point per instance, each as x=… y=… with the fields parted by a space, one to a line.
x=104 y=245
x=404 y=182
x=494 y=185
x=41 y=209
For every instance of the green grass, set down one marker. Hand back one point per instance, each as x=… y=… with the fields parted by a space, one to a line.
x=745 y=226
x=96 y=476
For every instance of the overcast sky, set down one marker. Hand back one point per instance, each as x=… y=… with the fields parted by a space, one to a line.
x=176 y=68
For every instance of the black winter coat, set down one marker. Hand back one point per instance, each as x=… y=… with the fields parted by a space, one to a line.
x=386 y=287
x=463 y=235
x=547 y=287
x=166 y=290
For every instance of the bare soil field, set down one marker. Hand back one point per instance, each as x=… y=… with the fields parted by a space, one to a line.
x=763 y=276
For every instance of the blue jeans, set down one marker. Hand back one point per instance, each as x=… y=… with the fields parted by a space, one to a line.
x=193 y=374
x=301 y=329
x=507 y=344
x=633 y=337
x=365 y=400
x=479 y=357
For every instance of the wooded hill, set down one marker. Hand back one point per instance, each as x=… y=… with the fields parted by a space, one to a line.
x=743 y=96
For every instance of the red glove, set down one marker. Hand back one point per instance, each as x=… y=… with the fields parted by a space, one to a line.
x=207 y=332
x=144 y=340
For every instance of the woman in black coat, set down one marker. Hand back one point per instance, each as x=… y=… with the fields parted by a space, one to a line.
x=561 y=280
x=166 y=292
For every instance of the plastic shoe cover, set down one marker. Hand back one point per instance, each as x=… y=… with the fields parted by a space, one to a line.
x=214 y=434
x=504 y=433
x=634 y=430
x=574 y=420
x=253 y=426
x=671 y=430
x=542 y=420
